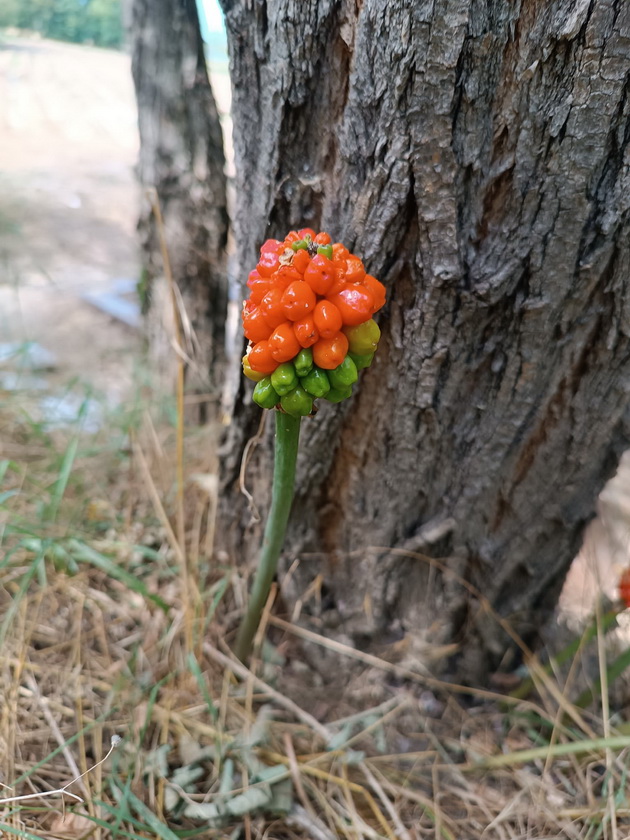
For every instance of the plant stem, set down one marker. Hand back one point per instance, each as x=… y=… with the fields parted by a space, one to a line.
x=285 y=457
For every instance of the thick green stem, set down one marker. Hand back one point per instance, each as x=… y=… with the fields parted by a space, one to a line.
x=285 y=457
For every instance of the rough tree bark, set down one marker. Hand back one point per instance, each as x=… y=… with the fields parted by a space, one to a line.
x=475 y=152
x=182 y=158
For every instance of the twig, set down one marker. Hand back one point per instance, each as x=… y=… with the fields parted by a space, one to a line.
x=295 y=774
x=157 y=502
x=385 y=801
x=251 y=444
x=50 y=720
x=299 y=818
x=116 y=740
x=245 y=674
x=177 y=323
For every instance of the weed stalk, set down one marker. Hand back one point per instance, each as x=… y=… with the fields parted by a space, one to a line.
x=285 y=457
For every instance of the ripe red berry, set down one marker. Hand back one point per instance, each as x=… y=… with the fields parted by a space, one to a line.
x=283 y=343
x=378 y=291
x=327 y=319
x=329 y=353
x=259 y=286
x=273 y=246
x=260 y=358
x=355 y=272
x=298 y=300
x=301 y=261
x=268 y=263
x=255 y=326
x=355 y=303
x=306 y=232
x=271 y=307
x=320 y=274
x=306 y=331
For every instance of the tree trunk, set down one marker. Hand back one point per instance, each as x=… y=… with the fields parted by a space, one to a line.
x=182 y=158
x=475 y=154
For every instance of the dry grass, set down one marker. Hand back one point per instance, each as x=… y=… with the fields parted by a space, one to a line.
x=113 y=624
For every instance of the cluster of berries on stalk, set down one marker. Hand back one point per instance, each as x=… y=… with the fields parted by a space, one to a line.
x=309 y=322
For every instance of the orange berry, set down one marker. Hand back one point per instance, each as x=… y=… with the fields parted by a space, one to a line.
x=356 y=304
x=327 y=318
x=320 y=274
x=292 y=236
x=340 y=252
x=254 y=325
x=301 y=260
x=284 y=345
x=338 y=284
x=260 y=358
x=306 y=232
x=268 y=263
x=298 y=299
x=323 y=238
x=259 y=286
x=378 y=291
x=329 y=353
x=286 y=275
x=306 y=331
x=355 y=272
x=271 y=307
x=272 y=246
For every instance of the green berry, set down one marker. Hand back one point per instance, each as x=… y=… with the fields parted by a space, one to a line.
x=300 y=245
x=336 y=395
x=344 y=375
x=284 y=378
x=316 y=383
x=265 y=394
x=361 y=361
x=297 y=403
x=363 y=339
x=303 y=362
x=326 y=250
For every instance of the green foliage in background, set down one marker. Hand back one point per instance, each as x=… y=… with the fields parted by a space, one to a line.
x=96 y=22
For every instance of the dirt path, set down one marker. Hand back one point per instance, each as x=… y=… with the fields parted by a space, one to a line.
x=68 y=204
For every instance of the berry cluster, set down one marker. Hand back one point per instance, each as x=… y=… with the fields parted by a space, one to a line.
x=309 y=321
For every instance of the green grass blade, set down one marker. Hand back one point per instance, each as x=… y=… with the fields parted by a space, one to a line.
x=201 y=683
x=151 y=819
x=19 y=832
x=616 y=742
x=28 y=576
x=614 y=670
x=4 y=468
x=84 y=553
x=105 y=806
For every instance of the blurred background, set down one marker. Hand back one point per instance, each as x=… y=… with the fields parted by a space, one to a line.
x=72 y=342
x=70 y=265
x=69 y=199
x=69 y=205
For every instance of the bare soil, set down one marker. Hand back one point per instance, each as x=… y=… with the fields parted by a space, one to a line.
x=68 y=204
